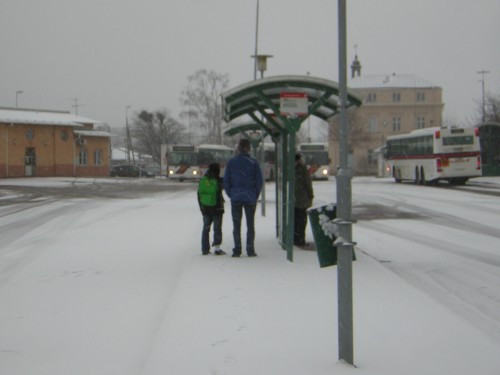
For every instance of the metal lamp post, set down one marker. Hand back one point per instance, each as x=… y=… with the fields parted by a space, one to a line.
x=344 y=207
x=261 y=65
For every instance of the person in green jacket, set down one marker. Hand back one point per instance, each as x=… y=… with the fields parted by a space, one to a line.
x=304 y=196
x=212 y=213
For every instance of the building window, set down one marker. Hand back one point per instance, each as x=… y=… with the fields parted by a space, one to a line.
x=30 y=134
x=372 y=158
x=372 y=124
x=64 y=135
x=420 y=122
x=396 y=124
x=98 y=157
x=396 y=97
x=371 y=97
x=420 y=96
x=83 y=157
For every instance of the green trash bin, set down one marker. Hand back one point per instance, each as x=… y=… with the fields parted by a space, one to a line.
x=323 y=229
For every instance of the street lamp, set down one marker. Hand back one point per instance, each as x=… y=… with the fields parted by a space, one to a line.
x=17 y=94
x=261 y=63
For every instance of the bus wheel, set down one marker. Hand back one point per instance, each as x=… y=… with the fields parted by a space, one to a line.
x=458 y=181
x=396 y=176
x=422 y=176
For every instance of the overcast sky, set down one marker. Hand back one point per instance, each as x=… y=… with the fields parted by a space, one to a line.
x=108 y=54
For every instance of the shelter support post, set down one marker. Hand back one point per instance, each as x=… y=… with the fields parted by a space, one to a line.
x=290 y=190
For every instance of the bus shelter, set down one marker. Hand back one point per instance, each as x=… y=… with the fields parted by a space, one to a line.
x=489 y=134
x=279 y=105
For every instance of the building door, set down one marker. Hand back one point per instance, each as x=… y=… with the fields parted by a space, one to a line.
x=29 y=161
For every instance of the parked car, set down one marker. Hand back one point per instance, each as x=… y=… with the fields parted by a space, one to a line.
x=129 y=171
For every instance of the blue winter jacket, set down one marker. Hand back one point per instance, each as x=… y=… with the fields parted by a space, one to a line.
x=243 y=179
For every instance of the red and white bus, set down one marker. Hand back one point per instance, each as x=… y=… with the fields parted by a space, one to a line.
x=269 y=160
x=208 y=154
x=188 y=162
x=433 y=154
x=182 y=162
x=316 y=158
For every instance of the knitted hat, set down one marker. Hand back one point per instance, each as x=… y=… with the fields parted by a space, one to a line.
x=214 y=169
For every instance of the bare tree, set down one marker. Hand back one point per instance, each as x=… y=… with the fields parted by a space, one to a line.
x=450 y=121
x=491 y=109
x=358 y=133
x=201 y=102
x=151 y=129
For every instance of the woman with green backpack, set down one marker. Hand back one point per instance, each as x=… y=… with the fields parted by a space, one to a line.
x=211 y=204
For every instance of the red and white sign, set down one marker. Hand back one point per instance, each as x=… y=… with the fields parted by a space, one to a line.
x=294 y=104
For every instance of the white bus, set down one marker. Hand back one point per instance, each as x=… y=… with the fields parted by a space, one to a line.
x=433 y=154
x=188 y=162
x=182 y=162
x=316 y=158
x=269 y=160
x=208 y=154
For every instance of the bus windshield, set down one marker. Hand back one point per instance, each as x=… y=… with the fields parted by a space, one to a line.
x=315 y=158
x=183 y=158
x=458 y=141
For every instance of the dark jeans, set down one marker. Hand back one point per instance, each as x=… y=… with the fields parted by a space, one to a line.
x=205 y=234
x=300 y=222
x=237 y=213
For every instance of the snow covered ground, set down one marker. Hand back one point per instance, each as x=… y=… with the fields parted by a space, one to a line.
x=119 y=286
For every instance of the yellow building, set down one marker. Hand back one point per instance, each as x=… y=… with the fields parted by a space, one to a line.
x=393 y=104
x=46 y=143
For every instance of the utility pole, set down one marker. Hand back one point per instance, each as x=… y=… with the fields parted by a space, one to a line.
x=483 y=72
x=76 y=105
x=129 y=140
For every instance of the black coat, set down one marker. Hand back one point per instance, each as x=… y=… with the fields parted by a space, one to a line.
x=304 y=194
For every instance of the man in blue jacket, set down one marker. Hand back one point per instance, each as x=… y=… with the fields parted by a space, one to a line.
x=243 y=183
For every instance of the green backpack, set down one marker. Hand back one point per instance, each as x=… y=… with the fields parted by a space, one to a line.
x=207 y=190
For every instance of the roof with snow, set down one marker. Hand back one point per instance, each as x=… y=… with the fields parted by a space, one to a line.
x=389 y=81
x=42 y=117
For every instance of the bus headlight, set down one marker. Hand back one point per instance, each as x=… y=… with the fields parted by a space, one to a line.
x=324 y=172
x=195 y=173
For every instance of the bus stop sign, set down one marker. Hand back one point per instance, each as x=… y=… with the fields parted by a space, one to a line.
x=294 y=104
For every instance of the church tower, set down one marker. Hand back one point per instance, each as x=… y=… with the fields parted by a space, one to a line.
x=356 y=65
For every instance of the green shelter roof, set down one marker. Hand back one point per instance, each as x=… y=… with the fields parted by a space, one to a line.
x=262 y=95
